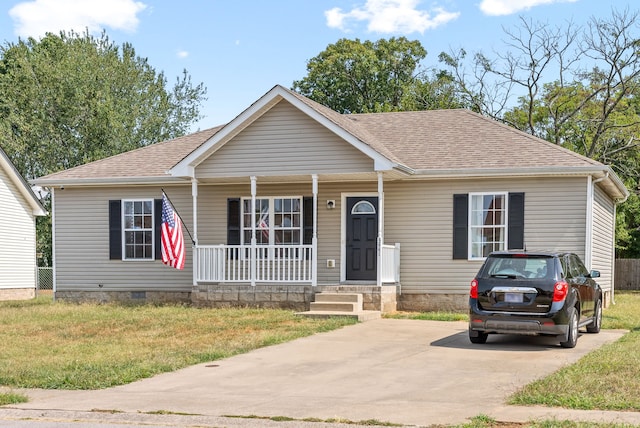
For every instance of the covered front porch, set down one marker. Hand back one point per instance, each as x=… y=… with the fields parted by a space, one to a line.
x=287 y=256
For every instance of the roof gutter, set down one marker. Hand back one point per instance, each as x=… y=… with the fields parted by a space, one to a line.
x=52 y=182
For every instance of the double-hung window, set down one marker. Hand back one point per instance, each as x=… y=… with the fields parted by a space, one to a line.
x=137 y=230
x=488 y=223
x=278 y=220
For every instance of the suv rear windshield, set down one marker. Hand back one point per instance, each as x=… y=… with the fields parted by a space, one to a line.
x=518 y=266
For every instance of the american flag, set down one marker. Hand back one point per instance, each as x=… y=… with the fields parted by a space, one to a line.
x=171 y=236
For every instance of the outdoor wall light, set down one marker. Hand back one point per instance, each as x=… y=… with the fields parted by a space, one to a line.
x=331 y=204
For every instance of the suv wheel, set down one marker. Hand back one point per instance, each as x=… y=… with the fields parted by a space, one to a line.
x=477 y=336
x=594 y=327
x=572 y=335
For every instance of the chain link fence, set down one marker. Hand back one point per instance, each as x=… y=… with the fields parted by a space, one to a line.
x=45 y=278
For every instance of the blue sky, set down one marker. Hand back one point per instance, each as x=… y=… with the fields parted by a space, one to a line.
x=240 y=49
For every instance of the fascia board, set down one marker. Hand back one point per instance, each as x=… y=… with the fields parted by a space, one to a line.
x=108 y=181
x=602 y=171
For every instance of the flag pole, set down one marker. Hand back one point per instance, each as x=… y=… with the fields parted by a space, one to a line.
x=178 y=214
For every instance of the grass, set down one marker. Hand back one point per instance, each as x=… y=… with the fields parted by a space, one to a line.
x=605 y=379
x=12 y=398
x=483 y=421
x=69 y=346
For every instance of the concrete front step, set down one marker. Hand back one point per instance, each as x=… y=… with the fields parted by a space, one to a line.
x=339 y=305
x=338 y=297
x=335 y=306
x=361 y=315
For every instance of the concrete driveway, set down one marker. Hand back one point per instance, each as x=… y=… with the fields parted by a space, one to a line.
x=415 y=373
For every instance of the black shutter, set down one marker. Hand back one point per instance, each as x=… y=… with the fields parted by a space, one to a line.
x=460 y=226
x=115 y=230
x=157 y=227
x=233 y=221
x=307 y=220
x=516 y=221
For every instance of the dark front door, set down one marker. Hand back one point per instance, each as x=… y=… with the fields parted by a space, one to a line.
x=362 y=235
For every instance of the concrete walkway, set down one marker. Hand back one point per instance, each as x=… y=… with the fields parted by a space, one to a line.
x=415 y=373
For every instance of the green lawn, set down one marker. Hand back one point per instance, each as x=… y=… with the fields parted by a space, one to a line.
x=69 y=346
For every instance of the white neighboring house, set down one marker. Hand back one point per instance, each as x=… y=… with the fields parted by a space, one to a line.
x=19 y=208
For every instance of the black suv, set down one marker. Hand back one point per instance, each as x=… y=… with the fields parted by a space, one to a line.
x=534 y=293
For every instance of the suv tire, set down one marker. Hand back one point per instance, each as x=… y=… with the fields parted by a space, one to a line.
x=594 y=327
x=477 y=336
x=572 y=334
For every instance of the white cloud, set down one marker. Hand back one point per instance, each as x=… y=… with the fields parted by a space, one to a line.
x=36 y=18
x=390 y=16
x=509 y=7
x=182 y=54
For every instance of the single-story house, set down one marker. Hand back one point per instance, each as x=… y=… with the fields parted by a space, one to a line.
x=19 y=208
x=291 y=198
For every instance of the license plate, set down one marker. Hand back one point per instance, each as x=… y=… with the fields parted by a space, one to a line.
x=513 y=297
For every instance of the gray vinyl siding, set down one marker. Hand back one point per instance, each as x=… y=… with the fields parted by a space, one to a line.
x=18 y=237
x=419 y=216
x=284 y=139
x=82 y=243
x=603 y=238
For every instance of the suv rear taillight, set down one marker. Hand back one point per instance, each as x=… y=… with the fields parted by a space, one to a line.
x=473 y=292
x=560 y=290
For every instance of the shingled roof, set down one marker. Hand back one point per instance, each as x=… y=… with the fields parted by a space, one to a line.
x=421 y=142
x=152 y=161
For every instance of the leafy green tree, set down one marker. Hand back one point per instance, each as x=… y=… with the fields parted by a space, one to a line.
x=351 y=76
x=70 y=99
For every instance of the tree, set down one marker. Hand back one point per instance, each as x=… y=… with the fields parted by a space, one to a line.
x=70 y=99
x=351 y=76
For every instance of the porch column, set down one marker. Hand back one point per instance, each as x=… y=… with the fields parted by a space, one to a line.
x=194 y=252
x=380 y=228
x=314 y=239
x=253 y=231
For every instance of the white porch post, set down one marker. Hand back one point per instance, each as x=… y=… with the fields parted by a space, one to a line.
x=314 y=239
x=253 y=230
x=380 y=228
x=194 y=252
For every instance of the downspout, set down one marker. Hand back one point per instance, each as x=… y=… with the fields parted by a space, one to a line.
x=613 y=244
x=53 y=243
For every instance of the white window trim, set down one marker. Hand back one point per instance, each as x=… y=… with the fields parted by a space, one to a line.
x=272 y=229
x=124 y=230
x=505 y=194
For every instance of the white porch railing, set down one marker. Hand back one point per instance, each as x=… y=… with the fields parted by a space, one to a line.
x=390 y=263
x=271 y=263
